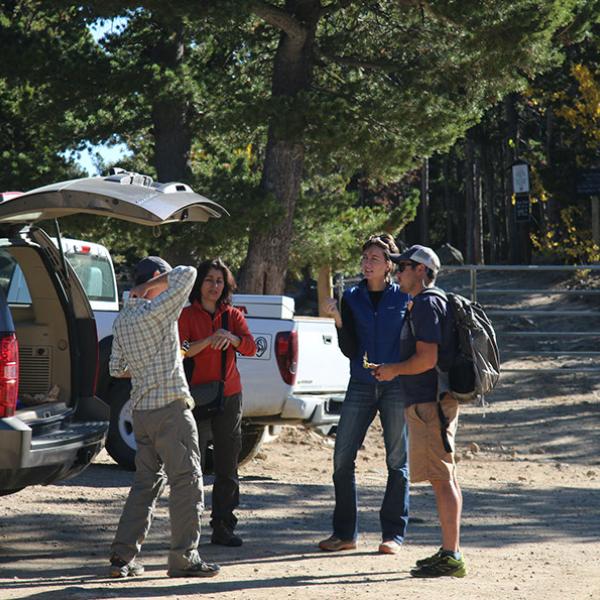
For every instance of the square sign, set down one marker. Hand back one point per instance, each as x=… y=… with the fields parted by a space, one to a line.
x=522 y=209
x=588 y=183
x=520 y=177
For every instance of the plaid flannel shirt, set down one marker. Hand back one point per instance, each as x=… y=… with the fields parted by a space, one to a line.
x=146 y=344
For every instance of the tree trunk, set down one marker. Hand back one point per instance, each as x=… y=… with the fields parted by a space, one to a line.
x=171 y=112
x=487 y=168
x=423 y=212
x=448 y=201
x=477 y=198
x=511 y=145
x=265 y=266
x=469 y=199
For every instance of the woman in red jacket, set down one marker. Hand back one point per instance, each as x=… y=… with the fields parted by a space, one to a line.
x=201 y=325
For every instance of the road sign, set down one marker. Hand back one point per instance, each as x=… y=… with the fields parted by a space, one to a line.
x=522 y=208
x=520 y=177
x=588 y=182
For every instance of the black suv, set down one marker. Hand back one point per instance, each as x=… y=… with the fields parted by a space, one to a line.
x=51 y=423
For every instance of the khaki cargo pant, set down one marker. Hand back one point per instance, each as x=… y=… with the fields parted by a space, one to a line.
x=167 y=442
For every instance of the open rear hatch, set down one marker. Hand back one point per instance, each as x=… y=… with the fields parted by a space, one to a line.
x=128 y=196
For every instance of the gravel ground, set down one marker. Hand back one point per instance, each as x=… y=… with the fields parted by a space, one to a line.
x=529 y=469
x=530 y=472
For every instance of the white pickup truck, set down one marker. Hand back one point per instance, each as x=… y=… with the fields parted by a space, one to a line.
x=298 y=376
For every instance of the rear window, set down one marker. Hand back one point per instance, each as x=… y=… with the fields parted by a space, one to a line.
x=96 y=276
x=94 y=272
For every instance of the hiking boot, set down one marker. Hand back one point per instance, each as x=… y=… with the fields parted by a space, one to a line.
x=199 y=569
x=120 y=568
x=389 y=547
x=423 y=562
x=444 y=566
x=333 y=543
x=223 y=536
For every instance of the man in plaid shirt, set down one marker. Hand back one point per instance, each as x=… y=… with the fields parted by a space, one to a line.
x=146 y=348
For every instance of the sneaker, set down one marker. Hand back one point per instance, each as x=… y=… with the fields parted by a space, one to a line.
x=199 y=569
x=444 y=566
x=224 y=536
x=423 y=562
x=389 y=547
x=120 y=568
x=333 y=543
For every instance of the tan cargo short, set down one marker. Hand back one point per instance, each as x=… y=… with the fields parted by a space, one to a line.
x=428 y=459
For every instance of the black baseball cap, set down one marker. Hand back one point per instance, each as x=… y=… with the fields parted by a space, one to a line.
x=145 y=269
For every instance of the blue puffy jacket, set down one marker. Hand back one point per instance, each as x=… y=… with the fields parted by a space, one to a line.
x=377 y=331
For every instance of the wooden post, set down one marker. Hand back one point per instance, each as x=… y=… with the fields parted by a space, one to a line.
x=324 y=287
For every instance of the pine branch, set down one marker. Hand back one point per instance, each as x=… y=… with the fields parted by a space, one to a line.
x=359 y=62
x=334 y=7
x=278 y=18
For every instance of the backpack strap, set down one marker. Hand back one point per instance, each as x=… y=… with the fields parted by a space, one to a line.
x=444 y=422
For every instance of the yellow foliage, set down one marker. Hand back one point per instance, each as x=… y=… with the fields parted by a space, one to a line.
x=566 y=242
x=584 y=113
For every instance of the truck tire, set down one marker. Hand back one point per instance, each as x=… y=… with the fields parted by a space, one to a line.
x=120 y=441
x=252 y=437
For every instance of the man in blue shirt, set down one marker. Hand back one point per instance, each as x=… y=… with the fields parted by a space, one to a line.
x=427 y=345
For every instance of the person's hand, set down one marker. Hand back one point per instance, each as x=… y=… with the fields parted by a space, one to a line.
x=330 y=308
x=221 y=339
x=384 y=372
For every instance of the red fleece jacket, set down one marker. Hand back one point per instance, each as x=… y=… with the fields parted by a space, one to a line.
x=195 y=323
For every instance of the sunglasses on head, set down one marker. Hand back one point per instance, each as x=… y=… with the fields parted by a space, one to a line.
x=402 y=266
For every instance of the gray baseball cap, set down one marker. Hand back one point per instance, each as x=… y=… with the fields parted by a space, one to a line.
x=420 y=254
x=145 y=269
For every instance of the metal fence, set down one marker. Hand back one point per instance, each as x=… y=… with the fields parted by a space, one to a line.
x=490 y=295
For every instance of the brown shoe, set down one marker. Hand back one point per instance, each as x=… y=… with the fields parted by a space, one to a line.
x=333 y=544
x=389 y=547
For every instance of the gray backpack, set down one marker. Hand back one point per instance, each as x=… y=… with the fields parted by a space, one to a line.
x=475 y=369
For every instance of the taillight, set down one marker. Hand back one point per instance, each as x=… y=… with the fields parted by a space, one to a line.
x=286 y=351
x=9 y=374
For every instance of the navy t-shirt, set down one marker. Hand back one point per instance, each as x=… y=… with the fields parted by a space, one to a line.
x=432 y=323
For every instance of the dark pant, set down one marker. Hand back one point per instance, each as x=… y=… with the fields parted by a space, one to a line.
x=226 y=430
x=362 y=402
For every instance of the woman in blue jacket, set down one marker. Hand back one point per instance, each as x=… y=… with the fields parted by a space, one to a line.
x=369 y=332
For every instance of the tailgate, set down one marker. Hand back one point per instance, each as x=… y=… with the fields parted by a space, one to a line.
x=321 y=365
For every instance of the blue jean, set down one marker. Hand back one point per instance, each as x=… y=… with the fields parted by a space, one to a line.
x=360 y=406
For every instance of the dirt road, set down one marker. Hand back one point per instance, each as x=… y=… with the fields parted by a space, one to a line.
x=530 y=471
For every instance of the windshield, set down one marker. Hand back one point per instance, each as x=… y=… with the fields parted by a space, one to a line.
x=96 y=276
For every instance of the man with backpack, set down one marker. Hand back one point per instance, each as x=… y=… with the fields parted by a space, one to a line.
x=428 y=346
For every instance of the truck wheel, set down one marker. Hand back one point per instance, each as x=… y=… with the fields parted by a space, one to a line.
x=120 y=441
x=252 y=437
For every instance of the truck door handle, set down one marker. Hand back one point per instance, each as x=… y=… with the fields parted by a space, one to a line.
x=327 y=339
